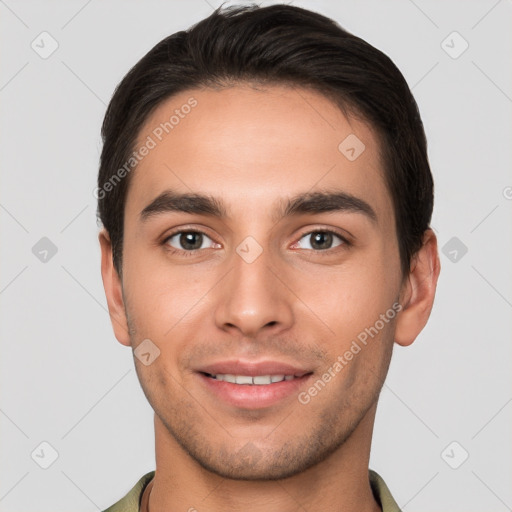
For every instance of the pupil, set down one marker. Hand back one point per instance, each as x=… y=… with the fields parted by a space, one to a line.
x=191 y=241
x=321 y=240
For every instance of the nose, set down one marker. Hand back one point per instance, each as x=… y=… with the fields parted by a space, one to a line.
x=252 y=299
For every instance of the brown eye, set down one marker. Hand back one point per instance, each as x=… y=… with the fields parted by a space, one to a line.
x=189 y=240
x=320 y=240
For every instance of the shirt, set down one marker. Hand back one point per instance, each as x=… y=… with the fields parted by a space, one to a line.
x=132 y=501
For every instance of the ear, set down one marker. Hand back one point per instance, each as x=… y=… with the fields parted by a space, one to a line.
x=418 y=291
x=113 y=290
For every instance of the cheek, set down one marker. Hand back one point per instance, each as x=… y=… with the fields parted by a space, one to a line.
x=350 y=299
x=160 y=296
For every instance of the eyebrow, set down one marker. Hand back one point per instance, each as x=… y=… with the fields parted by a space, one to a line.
x=309 y=202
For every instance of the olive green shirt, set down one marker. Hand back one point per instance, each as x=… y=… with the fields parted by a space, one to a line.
x=131 y=502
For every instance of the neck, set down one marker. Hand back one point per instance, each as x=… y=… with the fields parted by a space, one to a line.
x=340 y=482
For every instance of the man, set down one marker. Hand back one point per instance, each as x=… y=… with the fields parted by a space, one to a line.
x=266 y=197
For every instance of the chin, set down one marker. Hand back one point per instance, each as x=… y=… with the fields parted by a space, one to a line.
x=253 y=463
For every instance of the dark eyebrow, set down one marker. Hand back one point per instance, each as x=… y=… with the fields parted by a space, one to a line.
x=310 y=202
x=170 y=201
x=328 y=201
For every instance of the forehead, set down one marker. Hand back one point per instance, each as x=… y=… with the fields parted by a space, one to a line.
x=254 y=145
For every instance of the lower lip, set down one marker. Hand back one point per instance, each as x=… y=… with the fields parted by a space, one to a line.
x=247 y=396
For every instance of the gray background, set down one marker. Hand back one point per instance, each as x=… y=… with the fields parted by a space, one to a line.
x=66 y=381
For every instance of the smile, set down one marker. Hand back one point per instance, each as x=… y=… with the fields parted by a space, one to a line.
x=254 y=380
x=256 y=391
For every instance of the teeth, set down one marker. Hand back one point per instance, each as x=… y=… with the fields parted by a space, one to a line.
x=262 y=379
x=259 y=380
x=244 y=379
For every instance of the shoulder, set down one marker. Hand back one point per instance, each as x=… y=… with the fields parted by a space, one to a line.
x=382 y=493
x=131 y=502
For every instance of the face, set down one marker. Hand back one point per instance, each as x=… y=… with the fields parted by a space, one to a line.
x=255 y=247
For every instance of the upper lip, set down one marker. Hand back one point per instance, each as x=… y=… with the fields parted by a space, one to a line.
x=240 y=367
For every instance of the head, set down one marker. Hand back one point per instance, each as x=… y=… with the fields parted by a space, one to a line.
x=266 y=196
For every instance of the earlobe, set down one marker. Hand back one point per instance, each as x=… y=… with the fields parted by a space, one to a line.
x=113 y=290
x=418 y=291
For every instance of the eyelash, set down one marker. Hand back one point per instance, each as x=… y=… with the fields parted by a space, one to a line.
x=345 y=243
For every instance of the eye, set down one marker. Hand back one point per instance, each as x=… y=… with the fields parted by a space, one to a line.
x=321 y=240
x=190 y=241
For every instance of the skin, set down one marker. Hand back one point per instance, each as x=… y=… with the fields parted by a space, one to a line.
x=252 y=148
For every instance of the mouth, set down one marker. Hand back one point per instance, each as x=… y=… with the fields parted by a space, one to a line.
x=252 y=380
x=249 y=385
